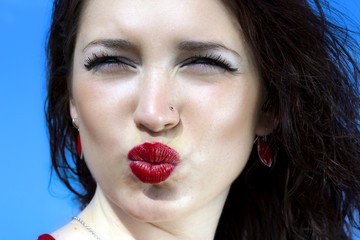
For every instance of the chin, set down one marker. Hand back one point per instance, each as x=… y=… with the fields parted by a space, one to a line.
x=156 y=204
x=157 y=211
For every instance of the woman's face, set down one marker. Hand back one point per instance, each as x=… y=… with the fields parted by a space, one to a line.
x=134 y=61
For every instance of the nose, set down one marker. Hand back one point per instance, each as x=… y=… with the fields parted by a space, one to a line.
x=156 y=110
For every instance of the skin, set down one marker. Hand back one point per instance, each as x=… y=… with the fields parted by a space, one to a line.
x=213 y=125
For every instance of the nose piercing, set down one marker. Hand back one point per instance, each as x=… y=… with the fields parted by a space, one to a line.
x=171 y=108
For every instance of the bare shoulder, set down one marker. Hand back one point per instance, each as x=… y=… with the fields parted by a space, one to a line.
x=71 y=231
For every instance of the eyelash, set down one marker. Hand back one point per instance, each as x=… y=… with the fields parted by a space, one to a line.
x=208 y=59
x=96 y=61
x=212 y=60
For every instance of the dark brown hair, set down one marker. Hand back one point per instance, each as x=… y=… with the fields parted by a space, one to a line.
x=310 y=68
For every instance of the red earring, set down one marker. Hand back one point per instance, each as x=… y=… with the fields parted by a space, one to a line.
x=79 y=149
x=264 y=152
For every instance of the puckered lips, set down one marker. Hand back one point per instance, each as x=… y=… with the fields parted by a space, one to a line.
x=153 y=162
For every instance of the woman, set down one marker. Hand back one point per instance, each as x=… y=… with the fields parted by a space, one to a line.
x=204 y=119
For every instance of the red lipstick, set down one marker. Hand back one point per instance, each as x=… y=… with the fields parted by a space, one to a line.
x=153 y=162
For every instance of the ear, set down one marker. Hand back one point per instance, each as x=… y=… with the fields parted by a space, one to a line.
x=266 y=124
x=73 y=109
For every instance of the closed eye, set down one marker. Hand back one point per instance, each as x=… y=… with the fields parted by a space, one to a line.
x=105 y=61
x=209 y=61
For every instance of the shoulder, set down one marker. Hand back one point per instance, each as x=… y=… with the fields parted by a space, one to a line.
x=71 y=231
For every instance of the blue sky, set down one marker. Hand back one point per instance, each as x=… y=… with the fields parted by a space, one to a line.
x=30 y=205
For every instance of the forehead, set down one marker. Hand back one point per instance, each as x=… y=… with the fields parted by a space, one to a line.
x=176 y=18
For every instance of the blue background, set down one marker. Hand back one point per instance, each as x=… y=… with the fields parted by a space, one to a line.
x=29 y=204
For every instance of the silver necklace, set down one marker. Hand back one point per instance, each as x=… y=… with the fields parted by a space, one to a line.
x=87 y=227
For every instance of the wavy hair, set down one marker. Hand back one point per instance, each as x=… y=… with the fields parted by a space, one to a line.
x=310 y=67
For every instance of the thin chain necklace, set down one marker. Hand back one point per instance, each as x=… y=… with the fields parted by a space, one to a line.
x=87 y=227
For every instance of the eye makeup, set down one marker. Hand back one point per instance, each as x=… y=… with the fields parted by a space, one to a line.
x=103 y=60
x=106 y=57
x=209 y=60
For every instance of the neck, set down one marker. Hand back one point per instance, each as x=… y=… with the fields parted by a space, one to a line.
x=108 y=220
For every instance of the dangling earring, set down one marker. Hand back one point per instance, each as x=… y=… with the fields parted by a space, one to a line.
x=264 y=152
x=79 y=148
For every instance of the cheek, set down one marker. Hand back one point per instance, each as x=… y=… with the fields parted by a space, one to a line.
x=103 y=109
x=224 y=114
x=99 y=104
x=220 y=128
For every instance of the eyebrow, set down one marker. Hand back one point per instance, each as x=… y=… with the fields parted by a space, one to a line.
x=111 y=43
x=203 y=46
x=184 y=45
